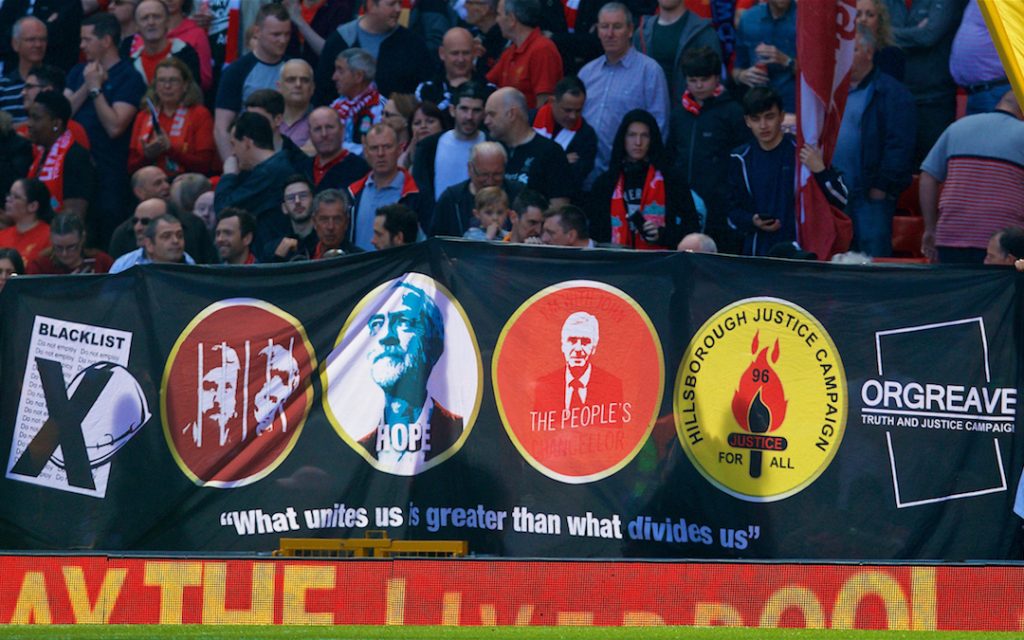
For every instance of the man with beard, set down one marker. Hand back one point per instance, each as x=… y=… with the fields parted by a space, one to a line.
x=282 y=379
x=217 y=395
x=406 y=341
x=441 y=159
x=300 y=241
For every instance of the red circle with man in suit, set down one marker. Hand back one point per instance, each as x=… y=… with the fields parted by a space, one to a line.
x=578 y=378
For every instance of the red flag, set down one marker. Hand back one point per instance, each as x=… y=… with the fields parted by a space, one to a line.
x=824 y=49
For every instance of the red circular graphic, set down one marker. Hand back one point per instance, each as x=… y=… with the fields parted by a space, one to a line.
x=237 y=390
x=578 y=375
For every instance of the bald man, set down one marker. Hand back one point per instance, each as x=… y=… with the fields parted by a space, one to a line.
x=149 y=184
x=456 y=53
x=533 y=160
x=295 y=83
x=332 y=167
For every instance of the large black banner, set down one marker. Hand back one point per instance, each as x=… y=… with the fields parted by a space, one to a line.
x=534 y=401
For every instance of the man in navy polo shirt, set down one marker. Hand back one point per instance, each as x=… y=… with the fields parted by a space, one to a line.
x=105 y=92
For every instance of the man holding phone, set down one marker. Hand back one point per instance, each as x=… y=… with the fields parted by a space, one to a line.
x=762 y=185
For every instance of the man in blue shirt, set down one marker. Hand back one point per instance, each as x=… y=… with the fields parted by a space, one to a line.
x=105 y=92
x=766 y=49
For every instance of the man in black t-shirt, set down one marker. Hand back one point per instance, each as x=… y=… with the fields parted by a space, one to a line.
x=533 y=160
x=456 y=53
x=259 y=69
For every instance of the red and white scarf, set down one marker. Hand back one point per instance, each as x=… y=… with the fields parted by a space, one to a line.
x=691 y=104
x=348 y=107
x=652 y=208
x=570 y=8
x=234 y=30
x=51 y=171
x=175 y=134
x=544 y=124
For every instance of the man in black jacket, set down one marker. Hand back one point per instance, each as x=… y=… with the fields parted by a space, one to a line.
x=702 y=131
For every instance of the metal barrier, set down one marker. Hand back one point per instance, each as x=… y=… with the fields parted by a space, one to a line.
x=376 y=544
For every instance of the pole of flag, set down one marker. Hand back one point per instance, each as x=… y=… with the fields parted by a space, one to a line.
x=1005 y=22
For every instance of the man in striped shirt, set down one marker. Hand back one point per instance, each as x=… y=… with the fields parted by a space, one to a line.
x=28 y=39
x=979 y=164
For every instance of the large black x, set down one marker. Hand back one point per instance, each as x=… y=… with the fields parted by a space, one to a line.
x=64 y=426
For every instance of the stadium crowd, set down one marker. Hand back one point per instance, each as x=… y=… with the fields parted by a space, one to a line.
x=138 y=131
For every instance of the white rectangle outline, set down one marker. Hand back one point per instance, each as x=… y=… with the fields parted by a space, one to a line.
x=888 y=435
x=923 y=327
x=969 y=494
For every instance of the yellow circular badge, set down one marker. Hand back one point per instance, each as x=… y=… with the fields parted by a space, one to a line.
x=761 y=399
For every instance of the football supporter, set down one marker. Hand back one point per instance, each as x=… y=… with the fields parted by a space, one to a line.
x=178 y=135
x=28 y=206
x=67 y=253
x=58 y=161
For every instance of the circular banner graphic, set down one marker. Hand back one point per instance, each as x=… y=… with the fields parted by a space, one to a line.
x=761 y=399
x=403 y=384
x=237 y=390
x=578 y=380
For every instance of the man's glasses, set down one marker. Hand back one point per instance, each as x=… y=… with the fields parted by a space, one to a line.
x=297 y=197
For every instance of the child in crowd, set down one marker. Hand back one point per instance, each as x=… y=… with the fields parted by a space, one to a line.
x=491 y=212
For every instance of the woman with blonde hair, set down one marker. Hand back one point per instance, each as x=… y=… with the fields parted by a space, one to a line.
x=874 y=16
x=173 y=130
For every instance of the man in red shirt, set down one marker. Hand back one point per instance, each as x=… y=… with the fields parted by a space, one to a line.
x=151 y=45
x=532 y=63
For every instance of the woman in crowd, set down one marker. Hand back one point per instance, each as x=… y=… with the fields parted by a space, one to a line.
x=182 y=138
x=641 y=202
x=28 y=205
x=184 y=29
x=10 y=265
x=67 y=253
x=426 y=120
x=874 y=15
x=187 y=189
x=397 y=114
x=59 y=162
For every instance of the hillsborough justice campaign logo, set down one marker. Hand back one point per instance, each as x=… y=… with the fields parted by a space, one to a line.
x=404 y=381
x=79 y=406
x=578 y=380
x=237 y=390
x=761 y=399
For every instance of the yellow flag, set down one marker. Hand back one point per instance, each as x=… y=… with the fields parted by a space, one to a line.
x=1005 y=19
